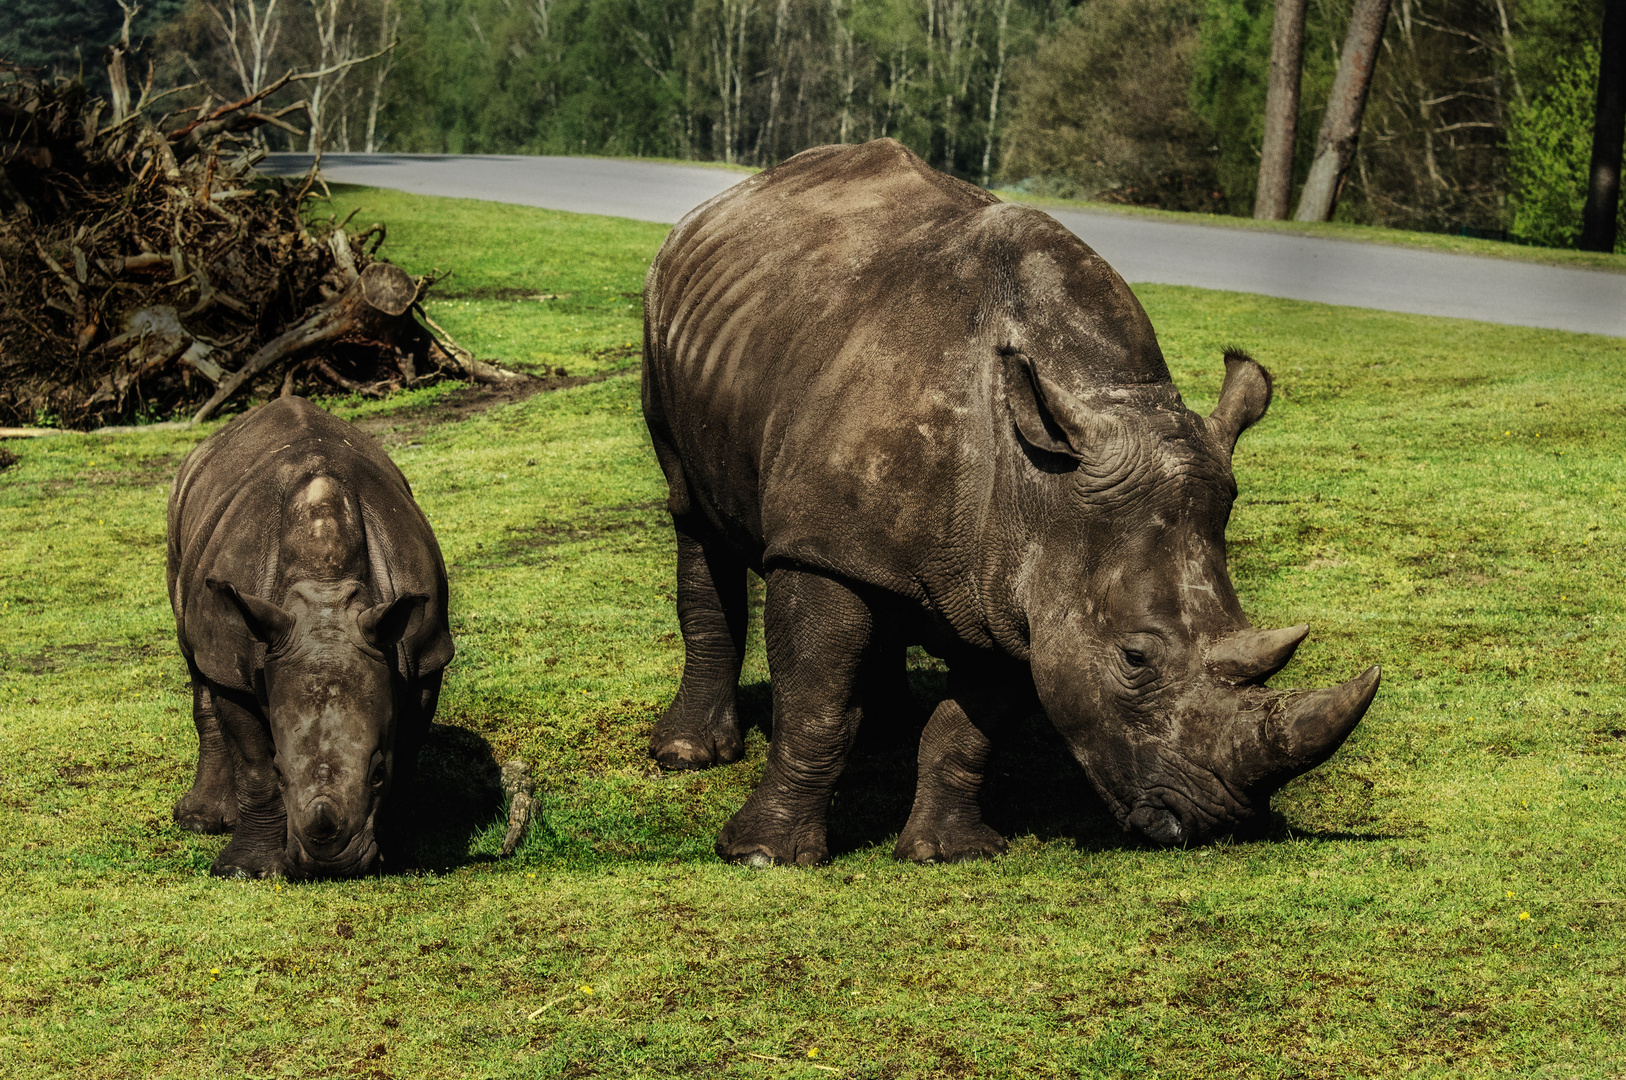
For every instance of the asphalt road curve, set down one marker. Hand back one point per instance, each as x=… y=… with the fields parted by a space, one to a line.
x=1211 y=257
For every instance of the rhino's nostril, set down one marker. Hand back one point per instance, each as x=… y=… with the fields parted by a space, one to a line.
x=322 y=823
x=1157 y=824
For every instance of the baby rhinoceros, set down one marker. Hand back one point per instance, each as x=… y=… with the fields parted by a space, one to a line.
x=310 y=603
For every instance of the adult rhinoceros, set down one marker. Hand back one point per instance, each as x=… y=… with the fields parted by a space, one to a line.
x=925 y=416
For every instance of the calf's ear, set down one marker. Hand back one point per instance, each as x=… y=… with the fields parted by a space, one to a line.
x=265 y=620
x=1244 y=397
x=384 y=625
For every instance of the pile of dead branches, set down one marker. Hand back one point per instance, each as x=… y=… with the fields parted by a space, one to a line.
x=148 y=272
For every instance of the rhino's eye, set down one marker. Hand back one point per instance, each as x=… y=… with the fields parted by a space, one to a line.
x=378 y=771
x=1134 y=658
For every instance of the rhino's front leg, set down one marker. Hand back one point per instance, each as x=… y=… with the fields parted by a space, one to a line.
x=946 y=823
x=211 y=805
x=259 y=845
x=816 y=630
x=701 y=727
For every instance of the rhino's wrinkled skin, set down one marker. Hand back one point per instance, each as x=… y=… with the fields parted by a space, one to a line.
x=310 y=603
x=926 y=416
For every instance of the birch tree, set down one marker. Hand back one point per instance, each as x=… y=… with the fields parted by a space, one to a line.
x=993 y=93
x=335 y=35
x=389 y=28
x=249 y=33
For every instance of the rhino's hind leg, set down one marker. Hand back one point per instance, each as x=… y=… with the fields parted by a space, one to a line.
x=701 y=727
x=817 y=631
x=211 y=805
x=946 y=823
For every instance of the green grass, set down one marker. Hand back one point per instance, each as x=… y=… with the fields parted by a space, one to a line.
x=1344 y=230
x=1441 y=497
x=536 y=288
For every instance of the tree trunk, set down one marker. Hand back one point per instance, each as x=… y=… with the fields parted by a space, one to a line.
x=769 y=133
x=1341 y=124
x=389 y=26
x=846 y=73
x=1275 y=195
x=116 y=53
x=1507 y=48
x=1603 y=190
x=993 y=96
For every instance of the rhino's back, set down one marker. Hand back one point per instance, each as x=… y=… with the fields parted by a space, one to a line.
x=227 y=517
x=823 y=353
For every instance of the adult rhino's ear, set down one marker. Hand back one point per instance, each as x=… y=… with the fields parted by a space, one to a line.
x=1041 y=409
x=1244 y=397
x=265 y=621
x=384 y=625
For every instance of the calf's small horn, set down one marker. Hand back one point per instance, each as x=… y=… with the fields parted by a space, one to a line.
x=1315 y=723
x=1255 y=655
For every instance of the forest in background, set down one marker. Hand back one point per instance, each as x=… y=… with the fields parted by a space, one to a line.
x=1479 y=117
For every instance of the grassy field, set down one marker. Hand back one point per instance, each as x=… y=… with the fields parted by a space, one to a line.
x=1443 y=898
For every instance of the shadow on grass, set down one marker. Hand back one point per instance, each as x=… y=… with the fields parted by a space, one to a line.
x=1033 y=786
x=455 y=796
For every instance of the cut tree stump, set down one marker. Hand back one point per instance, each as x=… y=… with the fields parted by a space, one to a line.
x=374 y=307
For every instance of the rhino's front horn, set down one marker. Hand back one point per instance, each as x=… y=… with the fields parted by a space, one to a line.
x=1252 y=656
x=1315 y=723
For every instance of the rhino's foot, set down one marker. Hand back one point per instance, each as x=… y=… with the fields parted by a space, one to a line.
x=206 y=812
x=246 y=863
x=762 y=841
x=679 y=745
x=948 y=842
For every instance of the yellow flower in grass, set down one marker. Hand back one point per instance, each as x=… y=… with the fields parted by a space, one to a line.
x=812 y=1051
x=1524 y=916
x=588 y=990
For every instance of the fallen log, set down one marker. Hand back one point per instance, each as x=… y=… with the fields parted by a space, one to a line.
x=520 y=788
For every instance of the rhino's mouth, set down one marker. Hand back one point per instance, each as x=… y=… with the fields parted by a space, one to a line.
x=359 y=856
x=1157 y=824
x=1198 y=807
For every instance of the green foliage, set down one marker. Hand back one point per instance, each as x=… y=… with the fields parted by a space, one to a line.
x=741 y=81
x=484 y=76
x=1104 y=109
x=1231 y=74
x=1229 y=77
x=1550 y=155
x=66 y=36
x=1435 y=495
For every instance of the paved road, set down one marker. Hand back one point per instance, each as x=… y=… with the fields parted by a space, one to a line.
x=1297 y=267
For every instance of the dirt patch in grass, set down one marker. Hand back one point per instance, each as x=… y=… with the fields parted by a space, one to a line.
x=90 y=652
x=409 y=424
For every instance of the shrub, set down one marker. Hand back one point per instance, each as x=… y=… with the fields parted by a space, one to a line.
x=1103 y=110
x=1549 y=143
